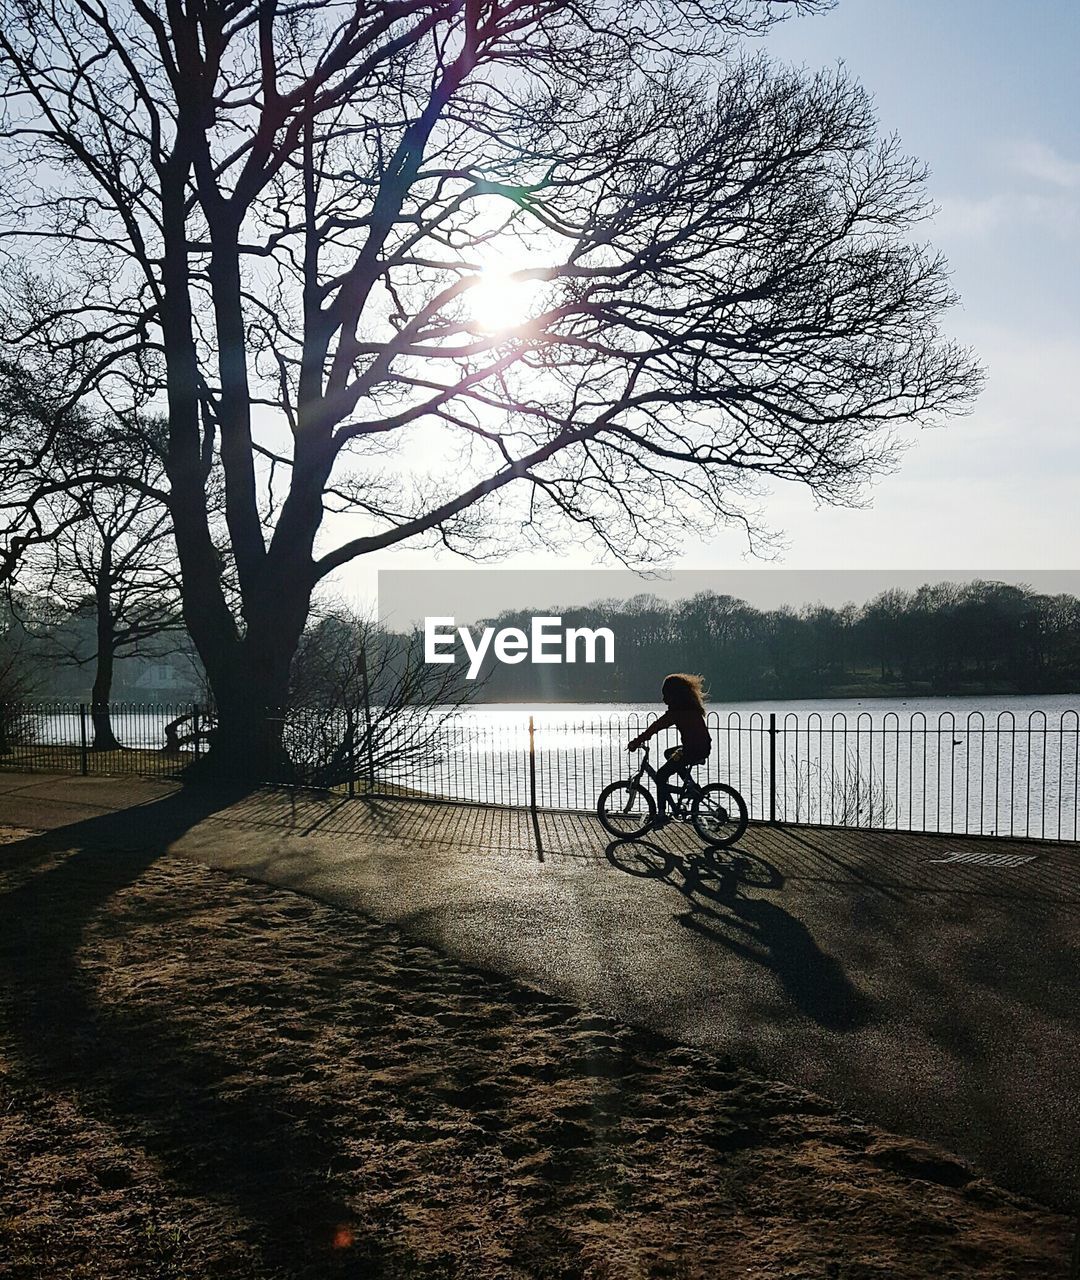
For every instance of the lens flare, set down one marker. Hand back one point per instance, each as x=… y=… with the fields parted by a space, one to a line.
x=343 y=1237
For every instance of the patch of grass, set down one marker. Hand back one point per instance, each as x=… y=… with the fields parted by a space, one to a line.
x=51 y=758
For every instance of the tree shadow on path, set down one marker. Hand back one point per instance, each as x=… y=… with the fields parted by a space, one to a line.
x=246 y=1148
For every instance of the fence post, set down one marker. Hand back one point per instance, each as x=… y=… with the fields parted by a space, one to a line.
x=772 y=768
x=350 y=747
x=532 y=765
x=195 y=727
x=366 y=688
x=84 y=759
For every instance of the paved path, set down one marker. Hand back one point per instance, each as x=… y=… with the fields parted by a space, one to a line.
x=927 y=990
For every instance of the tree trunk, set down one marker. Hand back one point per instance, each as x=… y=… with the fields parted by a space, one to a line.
x=248 y=670
x=251 y=690
x=104 y=738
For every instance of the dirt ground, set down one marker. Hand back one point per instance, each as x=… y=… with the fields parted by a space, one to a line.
x=202 y=1076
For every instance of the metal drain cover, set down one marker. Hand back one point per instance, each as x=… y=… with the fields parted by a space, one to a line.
x=977 y=858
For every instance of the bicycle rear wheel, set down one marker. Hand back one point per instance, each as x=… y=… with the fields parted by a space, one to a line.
x=626 y=810
x=719 y=814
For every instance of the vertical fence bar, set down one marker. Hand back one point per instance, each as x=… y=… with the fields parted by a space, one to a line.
x=1076 y=773
x=820 y=766
x=366 y=687
x=1061 y=776
x=84 y=759
x=532 y=765
x=772 y=768
x=1012 y=775
x=1027 y=772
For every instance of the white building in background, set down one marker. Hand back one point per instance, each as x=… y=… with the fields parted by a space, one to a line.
x=163 y=681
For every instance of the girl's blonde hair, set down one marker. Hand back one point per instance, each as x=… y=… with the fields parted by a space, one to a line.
x=681 y=690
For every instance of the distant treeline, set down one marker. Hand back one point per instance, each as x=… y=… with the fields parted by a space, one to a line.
x=970 y=638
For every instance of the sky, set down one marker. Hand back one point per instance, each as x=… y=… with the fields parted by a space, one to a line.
x=985 y=92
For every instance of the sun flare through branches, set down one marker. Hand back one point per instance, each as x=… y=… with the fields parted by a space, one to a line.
x=501 y=302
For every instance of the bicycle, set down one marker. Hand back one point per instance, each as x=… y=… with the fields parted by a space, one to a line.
x=718 y=813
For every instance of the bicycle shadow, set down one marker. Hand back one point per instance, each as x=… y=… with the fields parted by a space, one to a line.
x=755 y=928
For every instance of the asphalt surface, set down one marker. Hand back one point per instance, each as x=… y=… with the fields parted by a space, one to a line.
x=928 y=983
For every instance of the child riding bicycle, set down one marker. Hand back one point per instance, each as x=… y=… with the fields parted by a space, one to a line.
x=683 y=696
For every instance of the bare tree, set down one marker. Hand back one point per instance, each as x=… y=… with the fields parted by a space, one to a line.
x=428 y=271
x=363 y=704
x=17 y=680
x=115 y=563
x=39 y=431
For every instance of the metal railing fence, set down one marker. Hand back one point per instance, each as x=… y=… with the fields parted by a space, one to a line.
x=153 y=739
x=1003 y=775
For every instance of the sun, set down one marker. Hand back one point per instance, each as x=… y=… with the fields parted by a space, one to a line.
x=499 y=301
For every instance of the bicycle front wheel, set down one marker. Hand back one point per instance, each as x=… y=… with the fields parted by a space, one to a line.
x=626 y=810
x=719 y=814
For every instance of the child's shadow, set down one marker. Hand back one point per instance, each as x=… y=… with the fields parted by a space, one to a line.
x=813 y=980
x=756 y=928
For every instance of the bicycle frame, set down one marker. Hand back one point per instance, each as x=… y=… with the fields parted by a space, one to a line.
x=676 y=795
